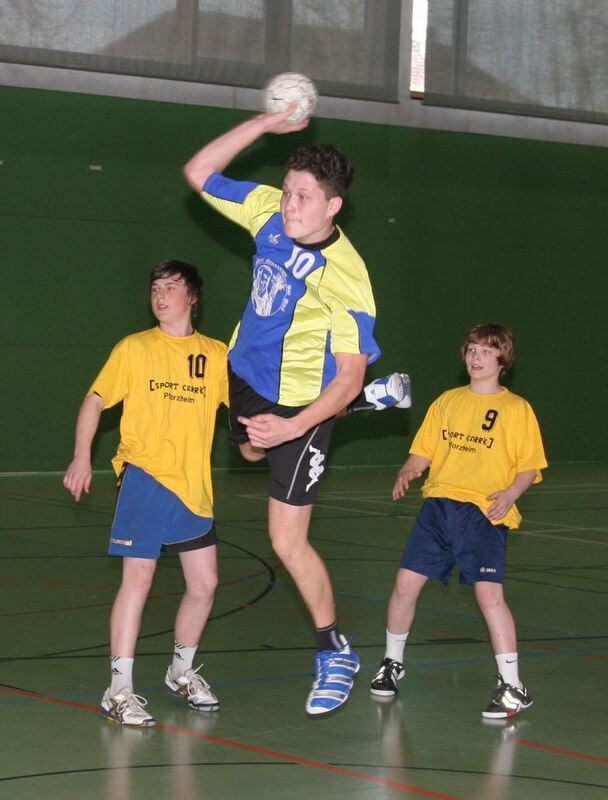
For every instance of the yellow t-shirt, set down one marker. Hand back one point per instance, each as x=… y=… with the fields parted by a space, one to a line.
x=477 y=444
x=171 y=388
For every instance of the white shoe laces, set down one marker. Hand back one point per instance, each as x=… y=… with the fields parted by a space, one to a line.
x=196 y=683
x=134 y=703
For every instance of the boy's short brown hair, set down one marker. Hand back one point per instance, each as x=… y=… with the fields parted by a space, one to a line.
x=493 y=335
x=329 y=166
x=190 y=275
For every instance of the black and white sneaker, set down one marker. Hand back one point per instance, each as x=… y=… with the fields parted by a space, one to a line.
x=385 y=680
x=507 y=701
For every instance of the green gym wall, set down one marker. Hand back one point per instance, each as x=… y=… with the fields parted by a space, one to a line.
x=456 y=229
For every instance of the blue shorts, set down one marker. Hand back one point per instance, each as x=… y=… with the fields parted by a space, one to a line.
x=448 y=532
x=150 y=518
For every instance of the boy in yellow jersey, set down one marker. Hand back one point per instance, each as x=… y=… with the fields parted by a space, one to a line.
x=171 y=381
x=484 y=449
x=299 y=354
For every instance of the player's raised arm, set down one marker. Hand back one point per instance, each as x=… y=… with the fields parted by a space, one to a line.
x=217 y=154
x=79 y=474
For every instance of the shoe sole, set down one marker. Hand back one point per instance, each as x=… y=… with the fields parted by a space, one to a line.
x=109 y=717
x=383 y=692
x=327 y=712
x=505 y=714
x=210 y=707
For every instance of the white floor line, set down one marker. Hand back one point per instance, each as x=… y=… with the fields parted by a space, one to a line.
x=577 y=539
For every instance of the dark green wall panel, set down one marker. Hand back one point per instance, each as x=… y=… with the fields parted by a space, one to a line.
x=456 y=229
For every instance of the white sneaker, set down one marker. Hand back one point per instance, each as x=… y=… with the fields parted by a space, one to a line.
x=126 y=708
x=193 y=688
x=393 y=390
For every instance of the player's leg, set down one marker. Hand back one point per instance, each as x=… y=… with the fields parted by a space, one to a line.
x=137 y=535
x=288 y=529
x=497 y=615
x=403 y=600
x=182 y=680
x=400 y=617
x=336 y=663
x=127 y=610
x=200 y=575
x=511 y=696
x=427 y=554
x=119 y=703
x=481 y=557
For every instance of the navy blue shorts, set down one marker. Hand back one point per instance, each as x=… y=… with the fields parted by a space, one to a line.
x=448 y=532
x=149 y=518
x=295 y=466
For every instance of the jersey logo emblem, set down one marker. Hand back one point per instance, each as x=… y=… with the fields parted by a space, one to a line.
x=274 y=238
x=271 y=290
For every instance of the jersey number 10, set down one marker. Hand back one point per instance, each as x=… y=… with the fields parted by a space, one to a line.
x=197 y=365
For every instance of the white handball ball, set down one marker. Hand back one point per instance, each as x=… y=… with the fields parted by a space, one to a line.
x=284 y=89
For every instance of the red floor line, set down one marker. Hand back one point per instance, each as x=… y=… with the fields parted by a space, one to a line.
x=250 y=748
x=308 y=763
x=561 y=752
x=48 y=698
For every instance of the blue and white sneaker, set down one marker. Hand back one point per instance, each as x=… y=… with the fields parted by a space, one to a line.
x=393 y=390
x=334 y=674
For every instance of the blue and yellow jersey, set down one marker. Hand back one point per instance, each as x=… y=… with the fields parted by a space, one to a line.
x=306 y=304
x=477 y=444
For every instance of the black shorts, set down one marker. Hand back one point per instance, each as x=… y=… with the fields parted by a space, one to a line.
x=295 y=466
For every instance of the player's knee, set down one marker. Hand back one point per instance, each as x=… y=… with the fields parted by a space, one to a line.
x=138 y=575
x=202 y=589
x=489 y=596
x=406 y=588
x=290 y=551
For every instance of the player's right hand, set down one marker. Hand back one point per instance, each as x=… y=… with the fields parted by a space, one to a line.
x=78 y=477
x=404 y=478
x=277 y=121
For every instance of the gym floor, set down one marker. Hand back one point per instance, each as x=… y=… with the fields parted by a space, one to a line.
x=430 y=741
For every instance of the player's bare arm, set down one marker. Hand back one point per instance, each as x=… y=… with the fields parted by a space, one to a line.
x=215 y=156
x=79 y=474
x=504 y=499
x=269 y=430
x=410 y=471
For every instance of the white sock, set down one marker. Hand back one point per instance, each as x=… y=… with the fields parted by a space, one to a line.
x=508 y=668
x=183 y=658
x=395 y=645
x=122 y=674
